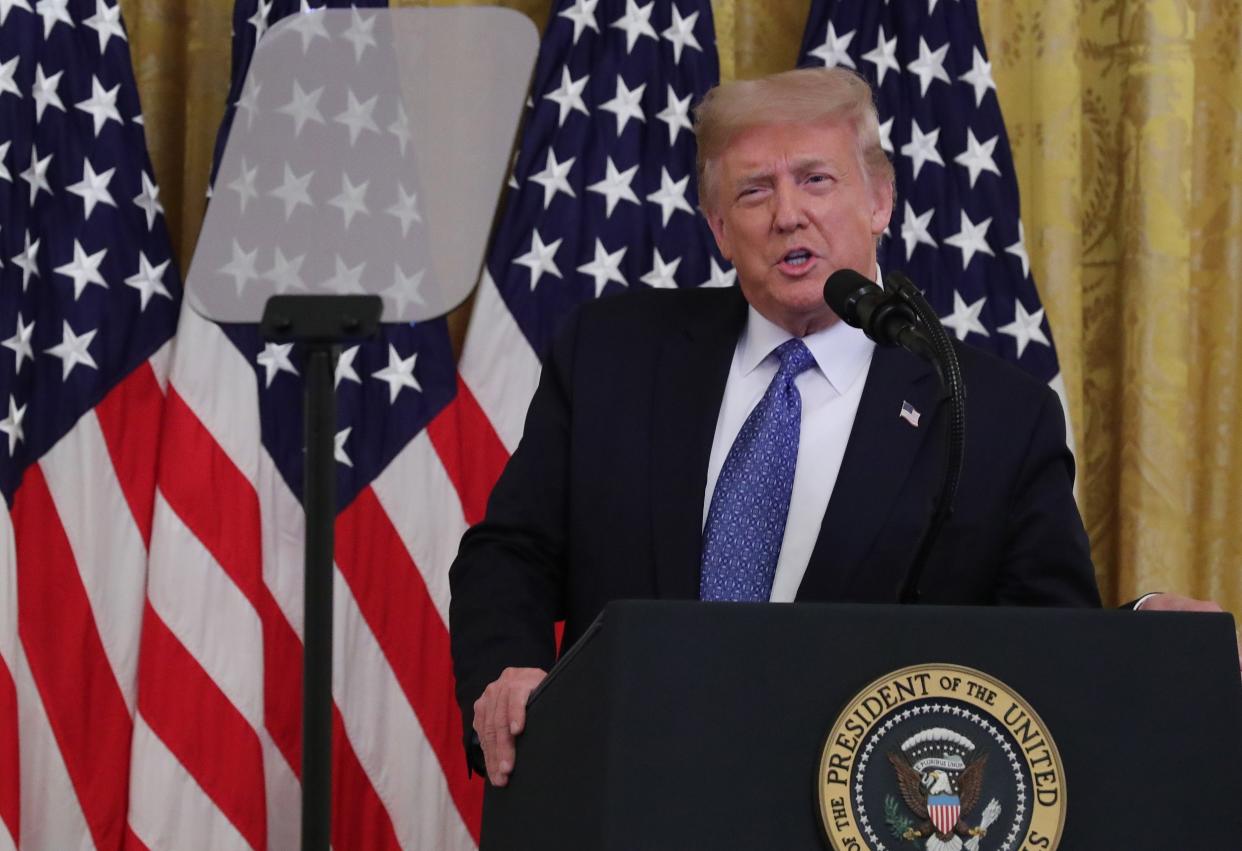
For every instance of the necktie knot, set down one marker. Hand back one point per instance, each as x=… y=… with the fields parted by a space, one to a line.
x=795 y=358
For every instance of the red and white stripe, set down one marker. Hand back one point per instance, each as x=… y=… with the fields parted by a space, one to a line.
x=159 y=708
x=498 y=365
x=217 y=737
x=10 y=760
x=944 y=816
x=73 y=554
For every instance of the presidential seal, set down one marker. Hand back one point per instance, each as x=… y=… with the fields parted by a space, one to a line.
x=940 y=758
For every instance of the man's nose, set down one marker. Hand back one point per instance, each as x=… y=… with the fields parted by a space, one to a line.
x=789 y=214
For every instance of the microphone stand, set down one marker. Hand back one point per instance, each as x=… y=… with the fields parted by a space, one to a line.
x=944 y=357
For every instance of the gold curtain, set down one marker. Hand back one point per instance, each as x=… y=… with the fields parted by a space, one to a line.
x=1125 y=118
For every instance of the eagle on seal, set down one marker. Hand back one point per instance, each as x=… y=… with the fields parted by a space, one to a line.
x=922 y=793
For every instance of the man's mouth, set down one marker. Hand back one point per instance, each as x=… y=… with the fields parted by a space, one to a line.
x=796 y=258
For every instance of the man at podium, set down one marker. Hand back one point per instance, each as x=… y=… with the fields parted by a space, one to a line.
x=746 y=444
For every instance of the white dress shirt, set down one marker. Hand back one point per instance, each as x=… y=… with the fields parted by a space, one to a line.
x=830 y=395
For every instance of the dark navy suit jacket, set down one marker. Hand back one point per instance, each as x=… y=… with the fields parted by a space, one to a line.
x=603 y=498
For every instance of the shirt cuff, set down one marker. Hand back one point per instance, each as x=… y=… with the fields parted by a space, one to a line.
x=1138 y=604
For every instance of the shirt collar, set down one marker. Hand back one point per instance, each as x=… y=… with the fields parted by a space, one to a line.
x=840 y=352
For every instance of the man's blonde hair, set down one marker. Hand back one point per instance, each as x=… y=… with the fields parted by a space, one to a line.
x=807 y=95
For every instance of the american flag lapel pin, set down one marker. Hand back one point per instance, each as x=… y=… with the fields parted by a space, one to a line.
x=910 y=414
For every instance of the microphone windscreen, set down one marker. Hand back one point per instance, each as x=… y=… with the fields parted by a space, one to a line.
x=843 y=290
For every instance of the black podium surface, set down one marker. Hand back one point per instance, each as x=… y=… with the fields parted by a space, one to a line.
x=686 y=725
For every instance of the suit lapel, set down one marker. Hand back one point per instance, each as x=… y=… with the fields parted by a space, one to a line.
x=690 y=379
x=879 y=455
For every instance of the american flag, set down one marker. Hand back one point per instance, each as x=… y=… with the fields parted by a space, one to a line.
x=212 y=703
x=956 y=229
x=602 y=198
x=216 y=753
x=89 y=304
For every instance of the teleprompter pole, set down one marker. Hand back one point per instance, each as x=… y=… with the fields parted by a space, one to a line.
x=323 y=323
x=319 y=502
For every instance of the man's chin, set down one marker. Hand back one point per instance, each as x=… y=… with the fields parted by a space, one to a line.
x=804 y=316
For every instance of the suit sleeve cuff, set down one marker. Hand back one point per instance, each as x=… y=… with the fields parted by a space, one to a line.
x=475 y=764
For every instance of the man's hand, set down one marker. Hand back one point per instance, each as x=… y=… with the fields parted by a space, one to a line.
x=500 y=715
x=1178 y=603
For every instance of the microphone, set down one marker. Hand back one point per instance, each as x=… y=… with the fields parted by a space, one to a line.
x=899 y=316
x=884 y=317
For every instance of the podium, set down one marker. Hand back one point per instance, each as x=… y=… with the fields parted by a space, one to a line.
x=674 y=725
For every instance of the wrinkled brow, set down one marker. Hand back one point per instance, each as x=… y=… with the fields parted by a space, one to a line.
x=798 y=165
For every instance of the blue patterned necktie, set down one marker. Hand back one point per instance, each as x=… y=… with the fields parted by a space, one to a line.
x=746 y=519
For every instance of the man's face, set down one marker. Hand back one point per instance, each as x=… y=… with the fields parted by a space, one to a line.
x=792 y=206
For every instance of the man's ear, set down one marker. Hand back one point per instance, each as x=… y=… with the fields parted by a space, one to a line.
x=716 y=222
x=881 y=206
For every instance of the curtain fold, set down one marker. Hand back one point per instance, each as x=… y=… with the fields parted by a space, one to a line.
x=1215 y=299
x=1125 y=118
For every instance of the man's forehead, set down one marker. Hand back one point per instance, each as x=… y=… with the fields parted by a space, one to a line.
x=764 y=145
x=747 y=163
x=796 y=162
